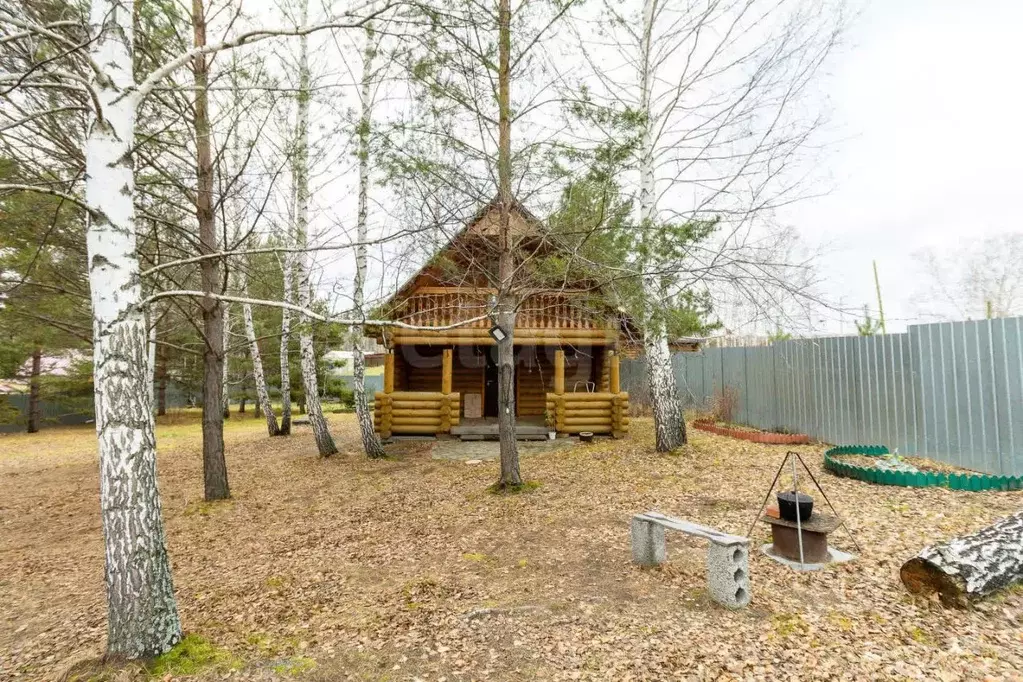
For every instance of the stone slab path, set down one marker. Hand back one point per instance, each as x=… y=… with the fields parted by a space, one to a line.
x=484 y=450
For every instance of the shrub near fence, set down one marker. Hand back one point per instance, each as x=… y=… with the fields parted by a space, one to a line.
x=952 y=392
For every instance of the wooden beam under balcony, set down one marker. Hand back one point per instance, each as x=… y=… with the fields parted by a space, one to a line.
x=523 y=337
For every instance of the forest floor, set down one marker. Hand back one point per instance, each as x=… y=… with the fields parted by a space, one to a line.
x=407 y=568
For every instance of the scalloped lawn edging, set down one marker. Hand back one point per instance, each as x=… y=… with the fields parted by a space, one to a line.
x=912 y=479
x=764 y=437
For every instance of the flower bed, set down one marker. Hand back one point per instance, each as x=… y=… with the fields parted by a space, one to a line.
x=751 y=434
x=965 y=480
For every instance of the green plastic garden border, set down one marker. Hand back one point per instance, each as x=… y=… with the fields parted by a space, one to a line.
x=918 y=479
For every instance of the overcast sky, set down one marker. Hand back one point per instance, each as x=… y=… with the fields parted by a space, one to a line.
x=926 y=99
x=926 y=150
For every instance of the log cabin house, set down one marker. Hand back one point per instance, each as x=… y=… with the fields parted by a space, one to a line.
x=567 y=345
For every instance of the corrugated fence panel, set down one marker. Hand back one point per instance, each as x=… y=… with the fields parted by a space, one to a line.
x=733 y=375
x=760 y=400
x=948 y=391
x=1011 y=335
x=712 y=371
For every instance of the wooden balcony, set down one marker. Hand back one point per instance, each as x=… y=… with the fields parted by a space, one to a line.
x=542 y=319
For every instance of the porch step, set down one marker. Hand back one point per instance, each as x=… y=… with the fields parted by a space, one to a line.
x=489 y=431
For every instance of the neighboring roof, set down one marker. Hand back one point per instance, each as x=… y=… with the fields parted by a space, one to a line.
x=686 y=342
x=682 y=344
x=8 y=386
x=57 y=365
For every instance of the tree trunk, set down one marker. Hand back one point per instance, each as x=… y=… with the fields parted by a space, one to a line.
x=241 y=404
x=669 y=424
x=215 y=483
x=161 y=385
x=970 y=567
x=324 y=441
x=151 y=358
x=141 y=611
x=370 y=442
x=289 y=297
x=33 y=391
x=258 y=377
x=510 y=476
x=225 y=364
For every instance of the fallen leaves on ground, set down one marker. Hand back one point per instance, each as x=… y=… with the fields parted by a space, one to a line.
x=406 y=568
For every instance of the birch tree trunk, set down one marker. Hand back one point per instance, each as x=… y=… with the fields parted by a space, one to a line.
x=225 y=343
x=370 y=442
x=151 y=358
x=289 y=297
x=33 y=390
x=970 y=567
x=258 y=377
x=142 y=613
x=215 y=483
x=669 y=425
x=161 y=383
x=510 y=476
x=324 y=441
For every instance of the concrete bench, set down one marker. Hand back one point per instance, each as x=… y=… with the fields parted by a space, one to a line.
x=727 y=555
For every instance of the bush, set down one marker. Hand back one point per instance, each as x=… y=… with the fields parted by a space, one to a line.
x=337 y=388
x=725 y=404
x=346 y=396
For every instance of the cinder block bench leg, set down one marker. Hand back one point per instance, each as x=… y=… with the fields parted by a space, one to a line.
x=728 y=575
x=648 y=547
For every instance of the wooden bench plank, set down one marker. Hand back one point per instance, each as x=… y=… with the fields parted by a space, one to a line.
x=714 y=535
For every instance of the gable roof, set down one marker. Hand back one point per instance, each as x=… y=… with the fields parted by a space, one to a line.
x=477 y=225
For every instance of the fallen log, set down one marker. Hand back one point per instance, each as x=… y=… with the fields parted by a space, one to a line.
x=970 y=567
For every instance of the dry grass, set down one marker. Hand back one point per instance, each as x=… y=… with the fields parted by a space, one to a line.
x=391 y=570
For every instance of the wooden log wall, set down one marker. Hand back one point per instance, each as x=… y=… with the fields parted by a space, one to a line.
x=595 y=412
x=415 y=412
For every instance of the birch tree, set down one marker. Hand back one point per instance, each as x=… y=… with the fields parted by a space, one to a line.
x=288 y=265
x=314 y=410
x=98 y=68
x=460 y=145
x=710 y=100
x=237 y=215
x=370 y=442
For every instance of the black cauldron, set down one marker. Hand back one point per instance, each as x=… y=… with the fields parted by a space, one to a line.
x=787 y=506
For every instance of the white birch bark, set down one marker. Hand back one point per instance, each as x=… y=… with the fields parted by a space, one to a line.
x=370 y=442
x=669 y=425
x=151 y=359
x=237 y=211
x=226 y=344
x=258 y=376
x=142 y=613
x=289 y=298
x=969 y=567
x=314 y=410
